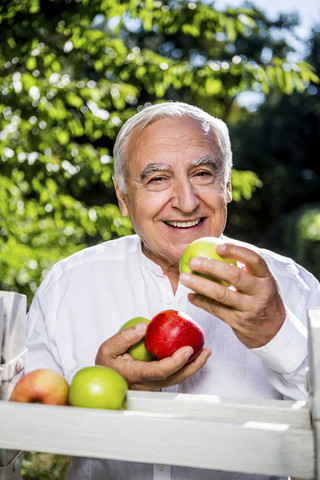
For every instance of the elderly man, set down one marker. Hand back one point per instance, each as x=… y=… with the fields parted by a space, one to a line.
x=172 y=177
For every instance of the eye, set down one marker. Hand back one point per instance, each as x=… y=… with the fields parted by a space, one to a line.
x=203 y=176
x=158 y=179
x=203 y=173
x=158 y=182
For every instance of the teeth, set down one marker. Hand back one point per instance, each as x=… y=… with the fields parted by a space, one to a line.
x=184 y=224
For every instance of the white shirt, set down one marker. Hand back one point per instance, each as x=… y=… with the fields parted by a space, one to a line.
x=87 y=297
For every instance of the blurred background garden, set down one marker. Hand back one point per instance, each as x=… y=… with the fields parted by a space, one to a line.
x=73 y=71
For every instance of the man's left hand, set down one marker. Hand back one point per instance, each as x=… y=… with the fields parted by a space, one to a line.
x=253 y=307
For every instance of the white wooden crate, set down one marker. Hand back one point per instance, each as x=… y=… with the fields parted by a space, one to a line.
x=12 y=340
x=12 y=360
x=270 y=437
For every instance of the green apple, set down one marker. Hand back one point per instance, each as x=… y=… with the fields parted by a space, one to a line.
x=203 y=247
x=138 y=351
x=98 y=387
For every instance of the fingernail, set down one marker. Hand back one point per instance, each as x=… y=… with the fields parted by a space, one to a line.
x=140 y=327
x=185 y=277
x=221 y=248
x=195 y=262
x=188 y=353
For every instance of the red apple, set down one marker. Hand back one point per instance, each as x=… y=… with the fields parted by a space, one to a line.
x=41 y=386
x=170 y=330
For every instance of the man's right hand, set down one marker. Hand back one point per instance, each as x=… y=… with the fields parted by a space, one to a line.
x=152 y=375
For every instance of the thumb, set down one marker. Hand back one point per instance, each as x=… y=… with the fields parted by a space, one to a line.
x=131 y=335
x=119 y=343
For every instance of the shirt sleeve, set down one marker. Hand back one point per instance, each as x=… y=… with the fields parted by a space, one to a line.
x=285 y=357
x=41 y=348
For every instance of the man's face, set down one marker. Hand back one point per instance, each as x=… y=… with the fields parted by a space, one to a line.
x=175 y=188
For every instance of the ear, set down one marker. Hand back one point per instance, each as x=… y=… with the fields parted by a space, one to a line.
x=229 y=189
x=121 y=199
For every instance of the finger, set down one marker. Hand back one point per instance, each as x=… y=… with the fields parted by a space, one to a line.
x=179 y=376
x=119 y=343
x=252 y=330
x=190 y=369
x=144 y=373
x=225 y=272
x=214 y=292
x=225 y=313
x=255 y=263
x=161 y=369
x=248 y=335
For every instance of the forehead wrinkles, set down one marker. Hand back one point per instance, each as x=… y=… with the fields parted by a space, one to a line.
x=141 y=142
x=168 y=141
x=168 y=133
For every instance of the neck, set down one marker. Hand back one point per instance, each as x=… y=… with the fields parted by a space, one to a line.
x=170 y=270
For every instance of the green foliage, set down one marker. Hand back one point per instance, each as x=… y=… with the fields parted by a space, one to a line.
x=44 y=466
x=72 y=73
x=279 y=142
x=244 y=183
x=301 y=236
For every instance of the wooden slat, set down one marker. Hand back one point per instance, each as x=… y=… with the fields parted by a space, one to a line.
x=1 y=329
x=297 y=414
x=13 y=325
x=314 y=371
x=314 y=360
x=250 y=446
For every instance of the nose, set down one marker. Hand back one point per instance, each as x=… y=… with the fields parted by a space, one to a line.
x=184 y=196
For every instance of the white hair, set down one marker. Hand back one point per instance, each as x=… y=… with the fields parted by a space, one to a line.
x=169 y=109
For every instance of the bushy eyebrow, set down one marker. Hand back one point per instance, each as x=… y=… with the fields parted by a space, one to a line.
x=206 y=160
x=152 y=168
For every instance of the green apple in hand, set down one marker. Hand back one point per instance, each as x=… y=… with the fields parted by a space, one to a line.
x=203 y=247
x=98 y=387
x=138 y=351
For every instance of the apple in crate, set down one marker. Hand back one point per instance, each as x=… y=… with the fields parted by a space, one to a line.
x=203 y=247
x=170 y=330
x=138 y=351
x=41 y=386
x=98 y=387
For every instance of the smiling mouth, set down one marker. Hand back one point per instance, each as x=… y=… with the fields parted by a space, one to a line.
x=188 y=224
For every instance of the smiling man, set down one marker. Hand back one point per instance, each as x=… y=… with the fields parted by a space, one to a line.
x=176 y=190
x=172 y=177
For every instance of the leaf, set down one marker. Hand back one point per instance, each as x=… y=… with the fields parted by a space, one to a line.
x=244 y=183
